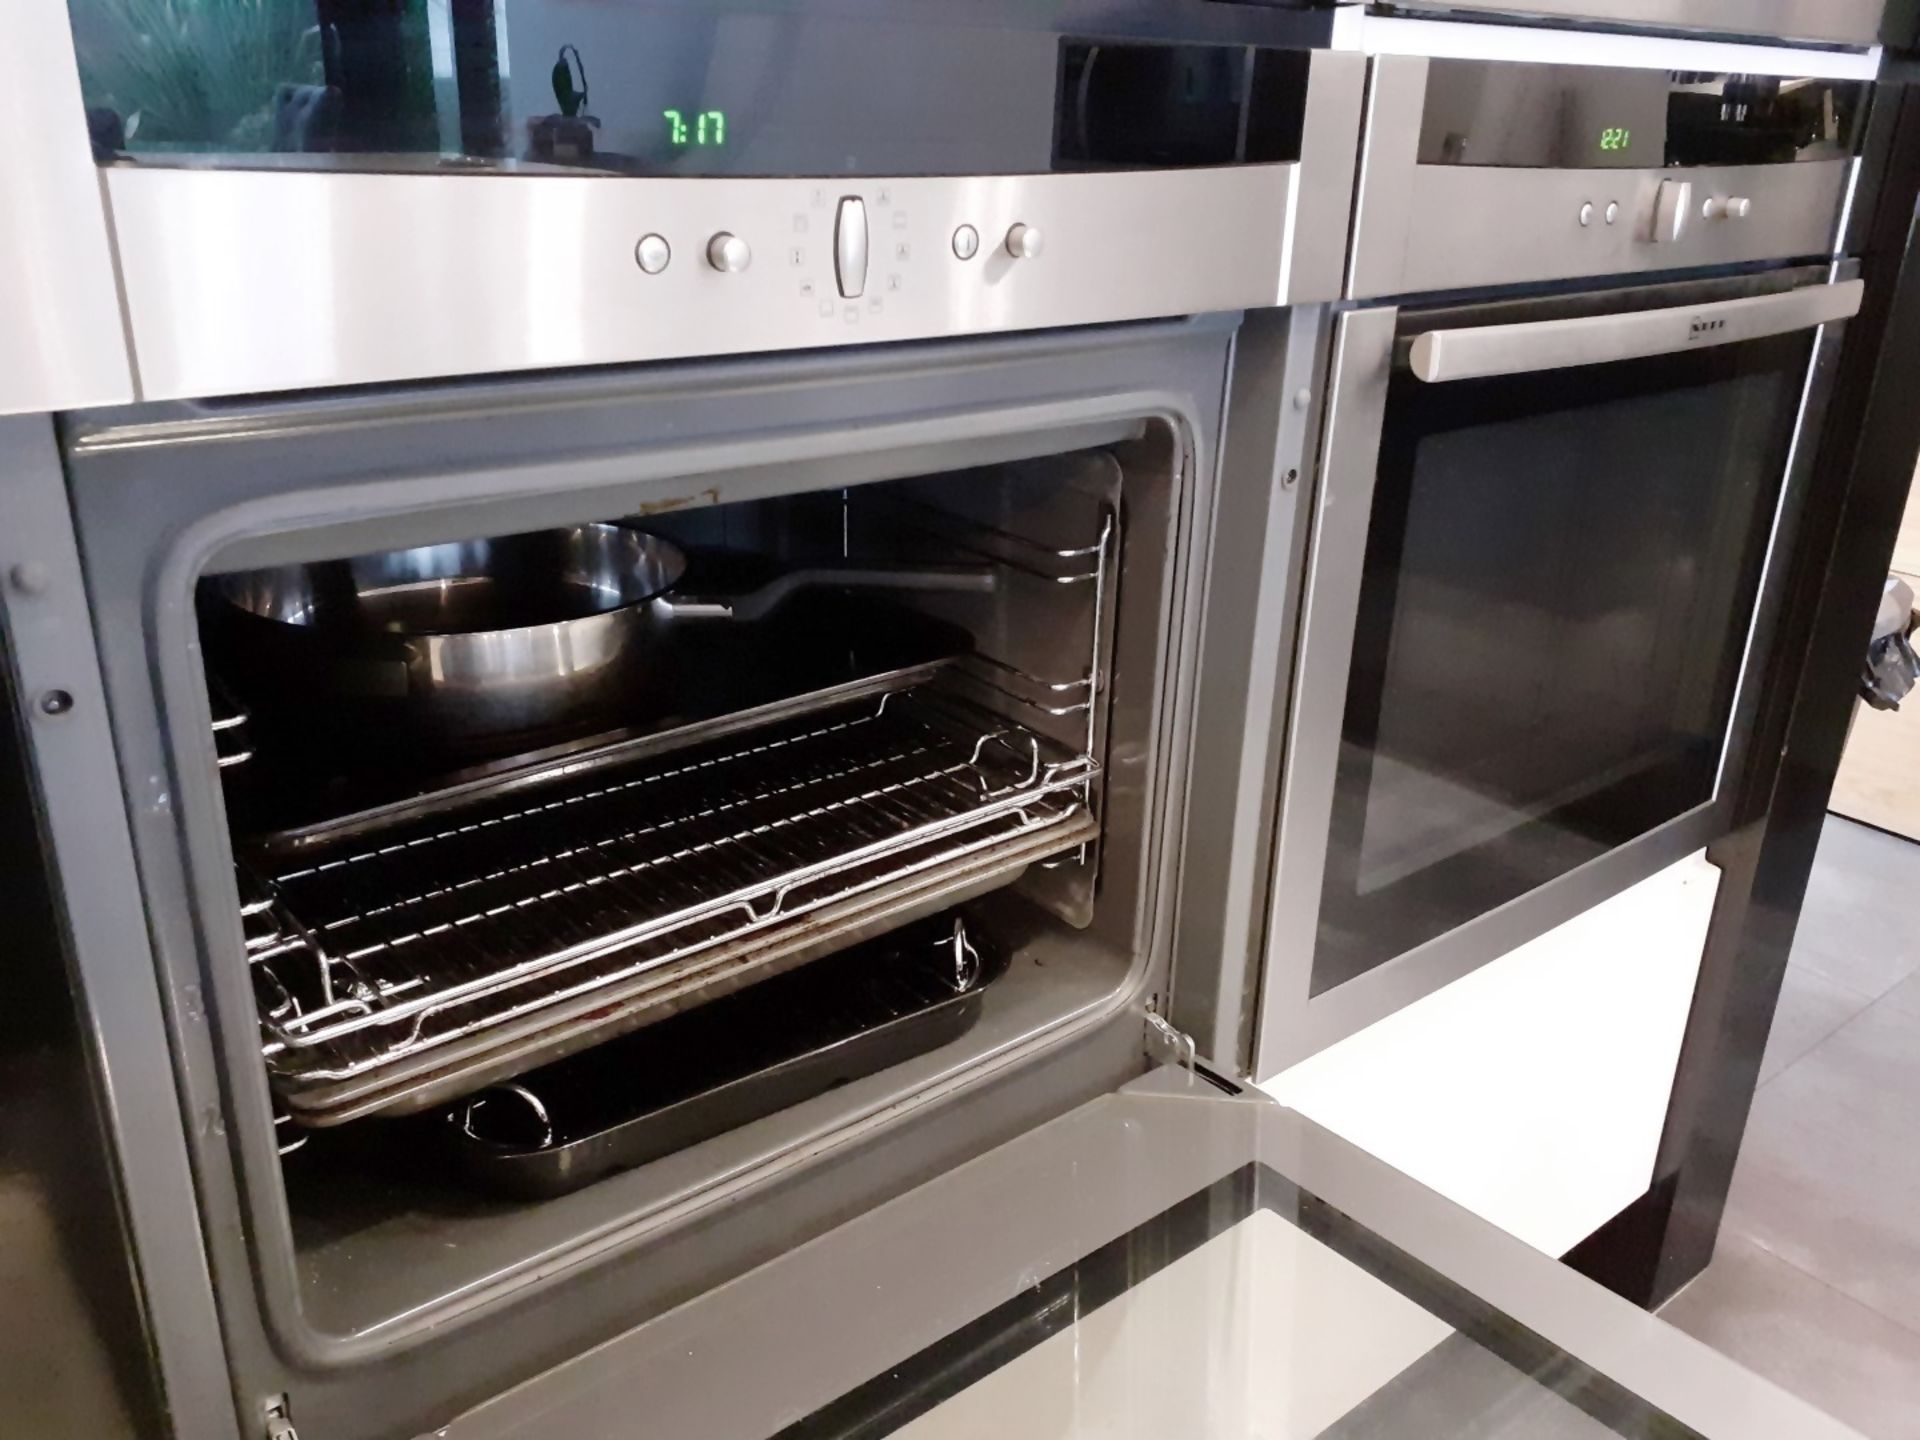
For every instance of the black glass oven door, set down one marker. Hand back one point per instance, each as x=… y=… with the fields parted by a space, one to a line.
x=1559 y=571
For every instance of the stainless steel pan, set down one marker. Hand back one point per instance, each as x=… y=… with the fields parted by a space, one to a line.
x=479 y=639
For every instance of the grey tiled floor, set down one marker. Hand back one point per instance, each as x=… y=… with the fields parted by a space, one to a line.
x=1816 y=1282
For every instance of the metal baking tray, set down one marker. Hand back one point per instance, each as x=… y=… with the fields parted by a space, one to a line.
x=714 y=1069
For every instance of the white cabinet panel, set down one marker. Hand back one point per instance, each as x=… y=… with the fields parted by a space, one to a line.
x=1533 y=1091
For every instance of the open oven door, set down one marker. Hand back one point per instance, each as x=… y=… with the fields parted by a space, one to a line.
x=1171 y=1259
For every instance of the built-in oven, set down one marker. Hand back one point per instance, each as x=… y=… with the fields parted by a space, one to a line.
x=1550 y=526
x=540 y=845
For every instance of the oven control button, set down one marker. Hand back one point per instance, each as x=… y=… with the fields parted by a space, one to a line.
x=966 y=242
x=850 y=246
x=652 y=254
x=1586 y=214
x=727 y=252
x=1025 y=242
x=1613 y=212
x=1723 y=207
x=1671 y=211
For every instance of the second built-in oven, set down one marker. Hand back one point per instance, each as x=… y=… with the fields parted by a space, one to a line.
x=1550 y=523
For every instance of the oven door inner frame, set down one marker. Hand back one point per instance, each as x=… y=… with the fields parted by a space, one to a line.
x=1518 y=336
x=670 y=476
x=157 y=493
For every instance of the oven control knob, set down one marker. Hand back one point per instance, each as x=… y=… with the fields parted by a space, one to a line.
x=1025 y=242
x=729 y=253
x=1670 y=211
x=1721 y=207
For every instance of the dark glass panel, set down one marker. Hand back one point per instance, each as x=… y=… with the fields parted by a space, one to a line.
x=1559 y=585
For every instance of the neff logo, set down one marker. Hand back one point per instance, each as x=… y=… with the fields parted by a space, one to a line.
x=1701 y=328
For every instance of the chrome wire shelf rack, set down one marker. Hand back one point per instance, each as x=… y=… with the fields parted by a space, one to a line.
x=400 y=963
x=410 y=954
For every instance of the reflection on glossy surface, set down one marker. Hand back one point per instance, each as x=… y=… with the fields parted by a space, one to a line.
x=541 y=578
x=467 y=641
x=1251 y=1310
x=1584 y=117
x=1252 y=1334
x=1560 y=580
x=687 y=87
x=672 y=87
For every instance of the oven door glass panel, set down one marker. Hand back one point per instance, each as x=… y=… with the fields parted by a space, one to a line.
x=1560 y=580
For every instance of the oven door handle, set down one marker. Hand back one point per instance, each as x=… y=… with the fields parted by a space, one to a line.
x=1442 y=355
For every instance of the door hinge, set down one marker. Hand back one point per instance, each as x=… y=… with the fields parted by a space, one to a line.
x=279 y=1419
x=1166 y=1045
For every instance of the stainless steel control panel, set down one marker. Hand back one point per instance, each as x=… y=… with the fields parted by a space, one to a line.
x=241 y=280
x=1422 y=227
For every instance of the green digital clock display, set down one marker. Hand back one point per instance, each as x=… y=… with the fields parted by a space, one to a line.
x=1614 y=138
x=708 y=127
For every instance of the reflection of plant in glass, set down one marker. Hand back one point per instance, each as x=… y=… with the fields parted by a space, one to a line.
x=195 y=72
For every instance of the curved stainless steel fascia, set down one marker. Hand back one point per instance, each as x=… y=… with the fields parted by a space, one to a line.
x=1827 y=22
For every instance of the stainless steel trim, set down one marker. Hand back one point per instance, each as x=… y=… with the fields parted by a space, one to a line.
x=1836 y=22
x=1845 y=242
x=1390 y=148
x=1440 y=356
x=1471 y=226
x=66 y=343
x=1814 y=399
x=1314 y=244
x=1362 y=367
x=1421 y=228
x=260 y=280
